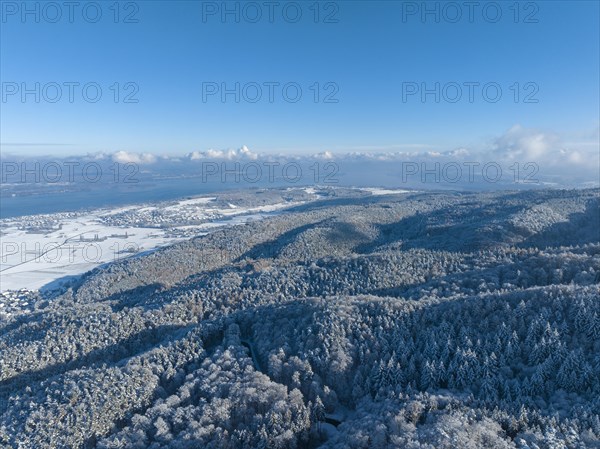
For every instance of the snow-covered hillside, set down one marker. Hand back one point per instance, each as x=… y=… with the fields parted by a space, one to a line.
x=352 y=320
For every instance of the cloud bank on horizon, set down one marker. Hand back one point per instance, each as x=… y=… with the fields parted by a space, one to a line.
x=520 y=157
x=516 y=143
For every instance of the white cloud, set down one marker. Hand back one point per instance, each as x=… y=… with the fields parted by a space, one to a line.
x=459 y=152
x=242 y=153
x=125 y=157
x=327 y=155
x=247 y=153
x=195 y=155
x=532 y=145
x=519 y=143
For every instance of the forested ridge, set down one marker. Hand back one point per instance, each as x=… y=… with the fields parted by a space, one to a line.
x=418 y=320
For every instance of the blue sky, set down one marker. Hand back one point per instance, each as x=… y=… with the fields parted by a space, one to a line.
x=371 y=50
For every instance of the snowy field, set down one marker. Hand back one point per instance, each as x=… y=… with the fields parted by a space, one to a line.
x=376 y=191
x=42 y=252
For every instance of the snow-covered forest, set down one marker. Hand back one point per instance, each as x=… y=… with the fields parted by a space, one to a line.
x=418 y=321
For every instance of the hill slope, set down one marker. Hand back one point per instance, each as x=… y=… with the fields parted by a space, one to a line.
x=424 y=320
